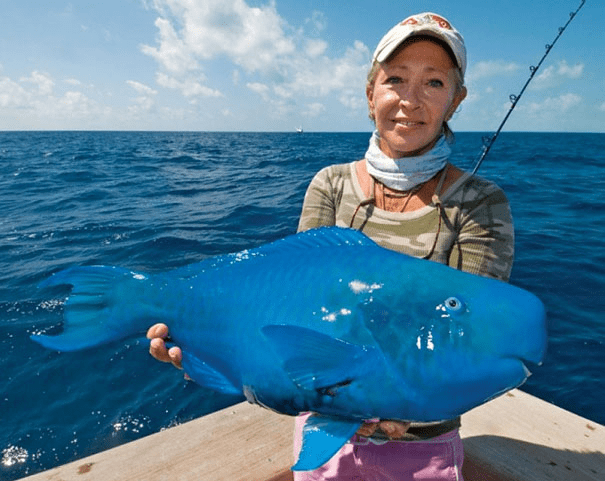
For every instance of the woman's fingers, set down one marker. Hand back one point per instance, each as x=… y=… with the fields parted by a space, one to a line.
x=157 y=346
x=392 y=429
x=157 y=330
x=367 y=429
x=176 y=356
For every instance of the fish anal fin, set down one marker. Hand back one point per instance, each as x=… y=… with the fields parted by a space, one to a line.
x=323 y=437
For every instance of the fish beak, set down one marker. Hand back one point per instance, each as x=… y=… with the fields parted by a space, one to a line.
x=529 y=343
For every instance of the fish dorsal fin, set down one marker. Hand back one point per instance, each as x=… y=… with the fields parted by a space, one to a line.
x=318 y=238
x=322 y=438
x=301 y=243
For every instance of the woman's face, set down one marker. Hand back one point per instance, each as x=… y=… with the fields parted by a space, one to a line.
x=413 y=94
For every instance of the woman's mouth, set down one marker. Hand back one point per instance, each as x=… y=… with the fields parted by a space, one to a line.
x=408 y=123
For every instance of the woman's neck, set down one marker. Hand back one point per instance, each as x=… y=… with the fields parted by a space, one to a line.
x=396 y=201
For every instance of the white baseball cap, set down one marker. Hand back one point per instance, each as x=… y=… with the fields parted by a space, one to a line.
x=426 y=23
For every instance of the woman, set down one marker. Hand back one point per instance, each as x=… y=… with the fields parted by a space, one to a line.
x=407 y=197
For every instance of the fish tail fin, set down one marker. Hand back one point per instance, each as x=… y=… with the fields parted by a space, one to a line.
x=103 y=306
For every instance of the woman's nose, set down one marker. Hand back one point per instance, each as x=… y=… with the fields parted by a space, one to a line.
x=410 y=97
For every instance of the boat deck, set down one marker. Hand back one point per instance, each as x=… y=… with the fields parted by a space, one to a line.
x=512 y=438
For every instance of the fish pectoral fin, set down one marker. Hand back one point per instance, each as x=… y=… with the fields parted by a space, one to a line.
x=206 y=375
x=314 y=360
x=322 y=438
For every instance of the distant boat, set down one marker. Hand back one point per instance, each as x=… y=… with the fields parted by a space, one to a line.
x=299 y=130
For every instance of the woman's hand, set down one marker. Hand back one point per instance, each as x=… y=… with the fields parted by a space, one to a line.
x=392 y=429
x=158 y=333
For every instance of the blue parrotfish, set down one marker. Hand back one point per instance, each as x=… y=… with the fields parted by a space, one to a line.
x=324 y=321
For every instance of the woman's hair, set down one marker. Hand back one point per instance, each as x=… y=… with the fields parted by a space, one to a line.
x=449 y=135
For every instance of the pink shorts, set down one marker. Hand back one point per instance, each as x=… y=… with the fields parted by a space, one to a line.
x=435 y=459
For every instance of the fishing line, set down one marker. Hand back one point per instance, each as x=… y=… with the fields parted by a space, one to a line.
x=489 y=141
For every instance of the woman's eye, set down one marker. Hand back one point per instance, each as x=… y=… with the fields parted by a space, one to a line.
x=394 y=80
x=435 y=83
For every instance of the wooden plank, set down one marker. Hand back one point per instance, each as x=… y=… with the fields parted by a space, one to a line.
x=239 y=443
x=515 y=437
x=520 y=437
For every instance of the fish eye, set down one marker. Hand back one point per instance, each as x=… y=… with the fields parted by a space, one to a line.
x=453 y=304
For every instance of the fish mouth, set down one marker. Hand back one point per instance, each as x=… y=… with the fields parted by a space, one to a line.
x=532 y=356
x=526 y=369
x=526 y=366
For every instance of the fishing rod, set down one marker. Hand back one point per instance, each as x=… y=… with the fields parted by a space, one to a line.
x=489 y=141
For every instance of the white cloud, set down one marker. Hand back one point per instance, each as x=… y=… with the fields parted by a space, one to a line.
x=353 y=100
x=272 y=58
x=553 y=76
x=491 y=68
x=554 y=105
x=318 y=77
x=42 y=80
x=189 y=87
x=107 y=35
x=571 y=72
x=73 y=104
x=12 y=94
x=173 y=54
x=314 y=109
x=259 y=88
x=141 y=88
x=317 y=22
x=145 y=102
x=315 y=47
x=253 y=37
x=32 y=101
x=235 y=77
x=602 y=107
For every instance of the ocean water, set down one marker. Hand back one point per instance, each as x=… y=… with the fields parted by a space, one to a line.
x=156 y=201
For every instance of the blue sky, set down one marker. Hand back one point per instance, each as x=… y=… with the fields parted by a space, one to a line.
x=276 y=65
